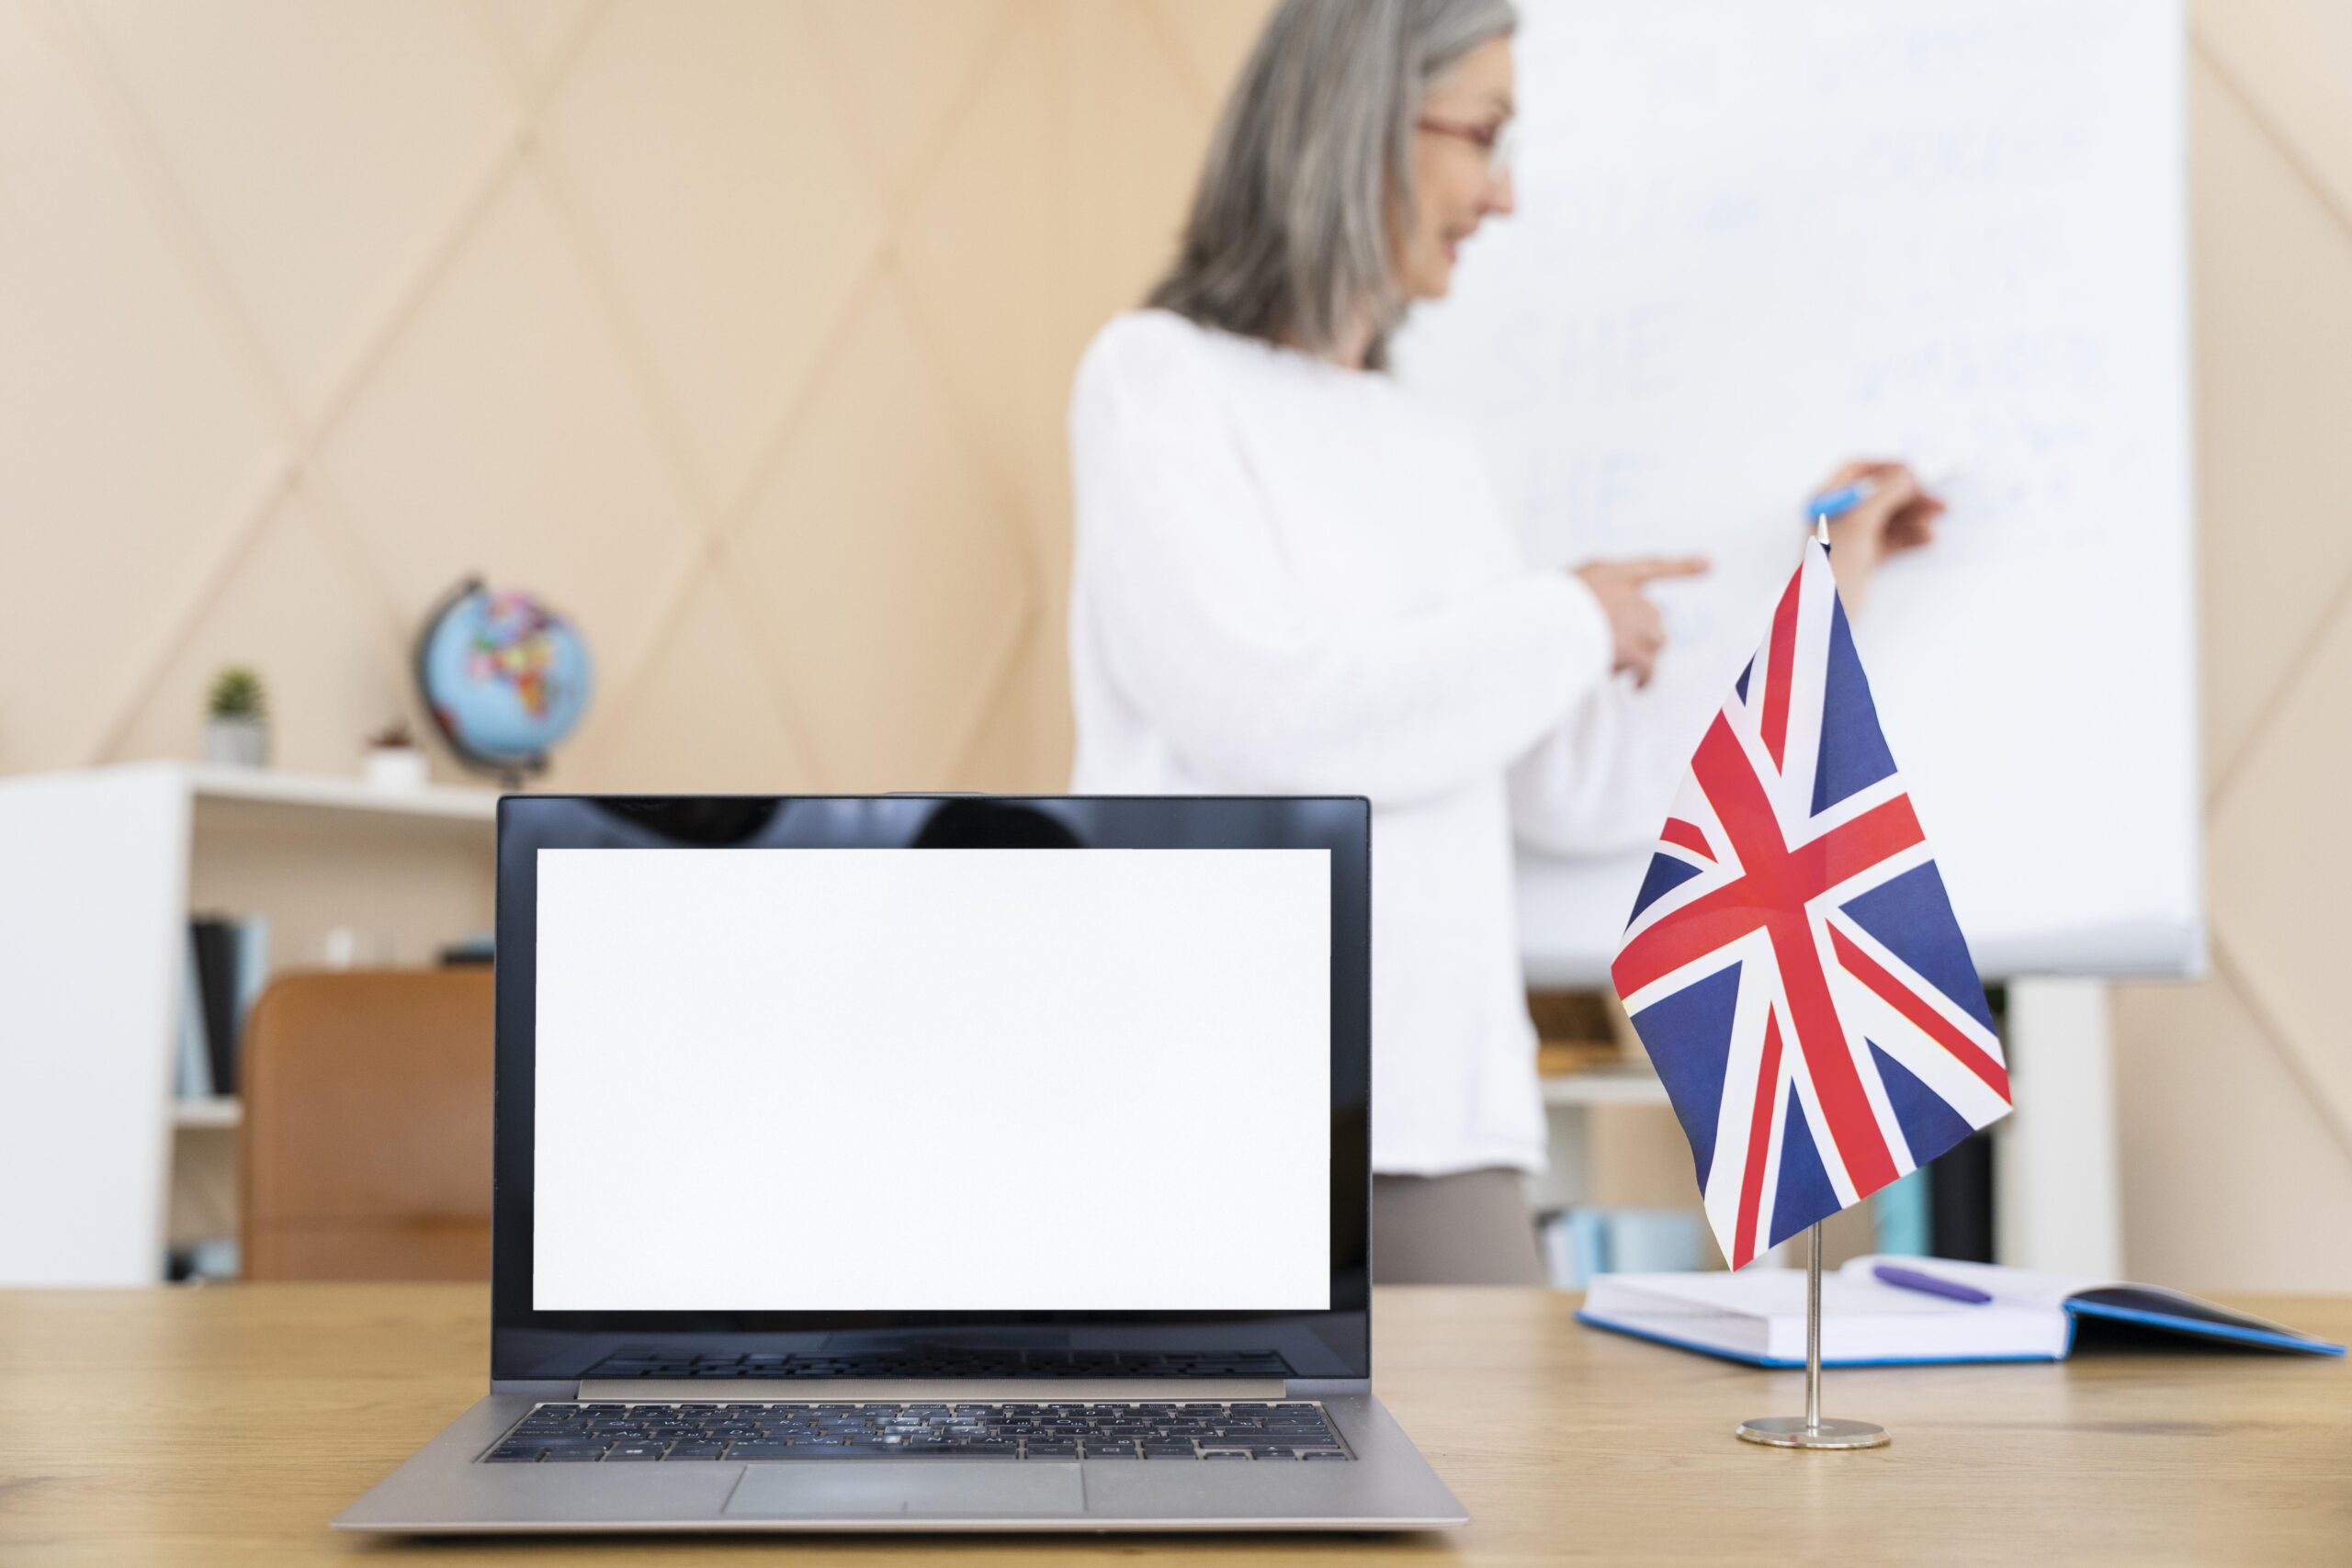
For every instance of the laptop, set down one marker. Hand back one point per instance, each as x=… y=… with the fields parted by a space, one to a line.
x=928 y=1163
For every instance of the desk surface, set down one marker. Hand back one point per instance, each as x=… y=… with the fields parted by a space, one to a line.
x=228 y=1425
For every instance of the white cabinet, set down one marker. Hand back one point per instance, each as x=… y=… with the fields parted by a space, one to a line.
x=100 y=1167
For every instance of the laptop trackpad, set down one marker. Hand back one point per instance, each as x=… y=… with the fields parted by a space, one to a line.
x=896 y=1489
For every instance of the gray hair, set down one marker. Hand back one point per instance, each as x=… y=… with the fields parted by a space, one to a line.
x=1290 y=232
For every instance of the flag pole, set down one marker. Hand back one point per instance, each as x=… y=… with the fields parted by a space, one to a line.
x=1812 y=1328
x=1809 y=1432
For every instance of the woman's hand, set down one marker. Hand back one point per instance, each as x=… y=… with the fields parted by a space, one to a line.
x=1898 y=514
x=1634 y=627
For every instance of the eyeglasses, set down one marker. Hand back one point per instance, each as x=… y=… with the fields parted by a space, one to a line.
x=1497 y=142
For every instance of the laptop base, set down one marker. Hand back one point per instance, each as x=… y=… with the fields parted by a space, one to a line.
x=444 y=1489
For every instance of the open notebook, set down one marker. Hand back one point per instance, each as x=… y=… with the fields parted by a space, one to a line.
x=1758 y=1315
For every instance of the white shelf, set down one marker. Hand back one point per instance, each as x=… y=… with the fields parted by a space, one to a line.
x=102 y=866
x=1614 y=1086
x=264 y=787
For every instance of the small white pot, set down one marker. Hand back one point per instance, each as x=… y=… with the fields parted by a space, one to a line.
x=395 y=767
x=237 y=742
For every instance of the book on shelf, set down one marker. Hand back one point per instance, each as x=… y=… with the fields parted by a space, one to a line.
x=216 y=988
x=252 y=972
x=194 y=1074
x=1581 y=1243
x=213 y=1259
x=227 y=965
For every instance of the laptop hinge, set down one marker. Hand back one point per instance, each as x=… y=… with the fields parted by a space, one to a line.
x=778 y=1391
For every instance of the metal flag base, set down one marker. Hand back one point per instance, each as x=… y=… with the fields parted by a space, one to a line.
x=1794 y=1432
x=1809 y=1430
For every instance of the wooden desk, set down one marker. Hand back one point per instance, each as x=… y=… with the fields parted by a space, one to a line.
x=226 y=1425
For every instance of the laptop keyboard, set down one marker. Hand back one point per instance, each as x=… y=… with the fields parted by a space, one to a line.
x=632 y=1433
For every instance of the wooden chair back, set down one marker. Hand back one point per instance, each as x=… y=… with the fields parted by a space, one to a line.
x=367 y=1143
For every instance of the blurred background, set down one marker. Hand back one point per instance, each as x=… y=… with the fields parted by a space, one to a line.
x=742 y=334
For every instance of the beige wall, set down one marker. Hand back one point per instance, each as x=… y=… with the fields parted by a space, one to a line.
x=742 y=331
x=2236 y=1093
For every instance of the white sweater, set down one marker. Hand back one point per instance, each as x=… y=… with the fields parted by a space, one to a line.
x=1293 y=577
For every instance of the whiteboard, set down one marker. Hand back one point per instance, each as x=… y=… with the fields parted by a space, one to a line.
x=1752 y=240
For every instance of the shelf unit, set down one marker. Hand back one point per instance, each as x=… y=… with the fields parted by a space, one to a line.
x=1604 y=1112
x=233 y=788
x=106 y=866
x=1635 y=1084
x=214 y=1111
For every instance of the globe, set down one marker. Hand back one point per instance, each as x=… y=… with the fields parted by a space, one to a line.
x=504 y=677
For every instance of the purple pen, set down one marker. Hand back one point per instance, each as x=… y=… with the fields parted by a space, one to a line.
x=1912 y=1279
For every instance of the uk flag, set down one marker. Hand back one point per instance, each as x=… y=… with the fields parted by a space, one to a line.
x=1793 y=962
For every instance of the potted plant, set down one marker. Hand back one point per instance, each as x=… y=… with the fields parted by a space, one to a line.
x=393 y=760
x=236 y=727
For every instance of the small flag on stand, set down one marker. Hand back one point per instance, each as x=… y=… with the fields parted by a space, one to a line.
x=1793 y=963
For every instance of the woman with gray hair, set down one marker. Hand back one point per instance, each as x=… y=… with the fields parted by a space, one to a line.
x=1292 y=575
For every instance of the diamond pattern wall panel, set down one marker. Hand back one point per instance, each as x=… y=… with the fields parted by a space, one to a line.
x=2235 y=1094
x=501 y=434
x=2293 y=60
x=2282 y=855
x=977 y=249
x=1209 y=39
x=323 y=148
x=740 y=330
x=2233 y=1175
x=132 y=454
x=537 y=32
x=703 y=714
x=292 y=595
x=2272 y=415
x=721 y=183
x=903 y=69
x=894 y=589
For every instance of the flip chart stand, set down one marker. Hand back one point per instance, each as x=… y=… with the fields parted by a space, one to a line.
x=1811 y=1431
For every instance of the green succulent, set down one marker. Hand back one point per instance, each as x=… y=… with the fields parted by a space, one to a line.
x=237 y=693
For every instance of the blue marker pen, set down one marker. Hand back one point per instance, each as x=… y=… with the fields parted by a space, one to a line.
x=1831 y=503
x=1837 y=503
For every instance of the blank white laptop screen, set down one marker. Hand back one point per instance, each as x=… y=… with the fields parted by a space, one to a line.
x=1000 y=1079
